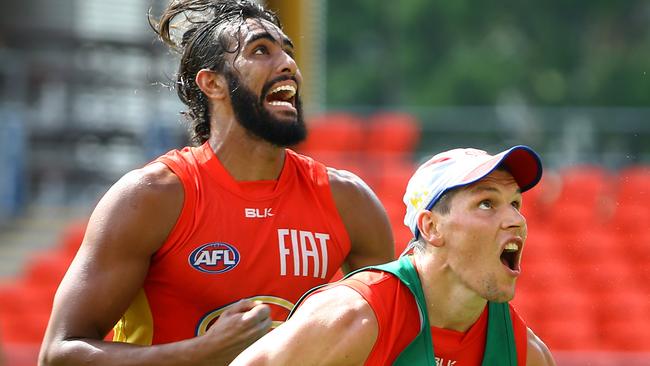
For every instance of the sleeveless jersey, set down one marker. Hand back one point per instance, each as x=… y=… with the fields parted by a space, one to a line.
x=265 y=240
x=402 y=340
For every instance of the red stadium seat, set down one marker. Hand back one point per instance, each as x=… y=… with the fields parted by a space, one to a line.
x=609 y=275
x=568 y=334
x=10 y=297
x=563 y=319
x=46 y=269
x=540 y=266
x=392 y=177
x=624 y=319
x=588 y=186
x=342 y=161
x=22 y=319
x=572 y=219
x=334 y=132
x=590 y=245
x=20 y=354
x=402 y=237
x=625 y=303
x=633 y=185
x=630 y=219
x=394 y=208
x=24 y=328
x=636 y=250
x=625 y=336
x=537 y=203
x=541 y=245
x=543 y=277
x=336 y=140
x=586 y=182
x=392 y=133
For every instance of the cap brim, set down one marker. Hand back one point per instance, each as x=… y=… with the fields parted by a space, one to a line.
x=521 y=161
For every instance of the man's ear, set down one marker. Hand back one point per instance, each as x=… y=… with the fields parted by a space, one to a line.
x=212 y=84
x=428 y=224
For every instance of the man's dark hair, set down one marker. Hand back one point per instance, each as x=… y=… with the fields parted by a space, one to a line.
x=443 y=205
x=204 y=45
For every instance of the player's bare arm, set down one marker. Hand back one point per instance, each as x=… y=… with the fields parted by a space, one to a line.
x=365 y=219
x=538 y=353
x=129 y=224
x=336 y=328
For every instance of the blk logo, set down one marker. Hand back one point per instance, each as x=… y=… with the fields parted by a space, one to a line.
x=214 y=258
x=257 y=213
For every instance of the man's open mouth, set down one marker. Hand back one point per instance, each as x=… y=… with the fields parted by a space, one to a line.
x=282 y=96
x=510 y=256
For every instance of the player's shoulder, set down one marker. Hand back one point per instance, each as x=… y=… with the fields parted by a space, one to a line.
x=344 y=178
x=137 y=212
x=349 y=190
x=337 y=306
x=377 y=287
x=372 y=277
x=152 y=178
x=538 y=353
x=153 y=183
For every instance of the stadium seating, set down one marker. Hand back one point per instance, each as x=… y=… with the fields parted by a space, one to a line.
x=623 y=318
x=588 y=251
x=334 y=132
x=630 y=219
x=391 y=133
x=390 y=177
x=26 y=303
x=587 y=184
x=633 y=185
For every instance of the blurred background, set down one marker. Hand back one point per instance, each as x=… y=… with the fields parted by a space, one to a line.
x=85 y=97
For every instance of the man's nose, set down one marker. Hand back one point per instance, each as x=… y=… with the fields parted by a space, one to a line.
x=515 y=219
x=288 y=65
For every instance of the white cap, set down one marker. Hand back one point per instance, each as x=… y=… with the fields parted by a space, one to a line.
x=460 y=167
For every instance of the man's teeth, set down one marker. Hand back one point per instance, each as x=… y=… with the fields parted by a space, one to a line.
x=278 y=102
x=285 y=88
x=511 y=247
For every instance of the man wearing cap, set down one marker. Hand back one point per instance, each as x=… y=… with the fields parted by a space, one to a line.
x=444 y=304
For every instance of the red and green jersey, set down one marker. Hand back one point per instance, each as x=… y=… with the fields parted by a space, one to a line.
x=393 y=291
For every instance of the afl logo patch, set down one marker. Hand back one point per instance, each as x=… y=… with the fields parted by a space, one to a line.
x=214 y=258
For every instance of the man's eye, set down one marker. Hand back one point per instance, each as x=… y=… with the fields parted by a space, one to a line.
x=485 y=204
x=261 y=50
x=516 y=204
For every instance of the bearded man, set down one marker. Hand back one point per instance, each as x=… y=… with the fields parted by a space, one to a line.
x=199 y=253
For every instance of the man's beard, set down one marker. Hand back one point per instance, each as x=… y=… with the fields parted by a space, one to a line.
x=251 y=114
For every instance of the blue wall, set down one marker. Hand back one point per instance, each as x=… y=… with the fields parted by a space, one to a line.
x=13 y=182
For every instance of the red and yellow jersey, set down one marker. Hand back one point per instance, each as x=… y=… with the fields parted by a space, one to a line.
x=399 y=323
x=266 y=240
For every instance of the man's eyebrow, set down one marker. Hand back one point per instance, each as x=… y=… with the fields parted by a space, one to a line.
x=266 y=35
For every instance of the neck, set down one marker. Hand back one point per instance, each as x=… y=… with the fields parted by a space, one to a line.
x=450 y=304
x=245 y=157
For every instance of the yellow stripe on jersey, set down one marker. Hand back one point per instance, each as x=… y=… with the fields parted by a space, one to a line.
x=136 y=325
